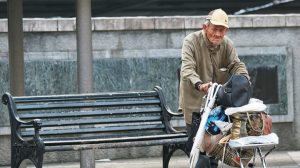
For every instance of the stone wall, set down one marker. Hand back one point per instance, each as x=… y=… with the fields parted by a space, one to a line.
x=140 y=53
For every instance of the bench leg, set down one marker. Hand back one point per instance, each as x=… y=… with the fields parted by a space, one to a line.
x=16 y=157
x=38 y=157
x=168 y=151
x=33 y=152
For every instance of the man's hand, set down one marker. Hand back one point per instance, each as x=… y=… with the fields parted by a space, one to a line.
x=204 y=87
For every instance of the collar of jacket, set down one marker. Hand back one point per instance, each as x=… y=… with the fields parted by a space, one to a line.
x=212 y=47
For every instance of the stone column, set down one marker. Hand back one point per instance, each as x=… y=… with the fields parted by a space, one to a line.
x=15 y=45
x=84 y=63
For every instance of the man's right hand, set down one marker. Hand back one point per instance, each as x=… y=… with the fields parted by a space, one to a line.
x=204 y=87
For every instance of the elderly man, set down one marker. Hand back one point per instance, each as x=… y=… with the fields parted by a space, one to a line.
x=206 y=57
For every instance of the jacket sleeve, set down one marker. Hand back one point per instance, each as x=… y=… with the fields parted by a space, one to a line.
x=235 y=66
x=188 y=67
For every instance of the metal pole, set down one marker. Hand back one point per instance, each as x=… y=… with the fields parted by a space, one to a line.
x=15 y=45
x=15 y=42
x=84 y=63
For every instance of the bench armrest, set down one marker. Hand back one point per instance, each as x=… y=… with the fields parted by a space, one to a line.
x=174 y=114
x=36 y=123
x=15 y=120
x=165 y=106
x=168 y=114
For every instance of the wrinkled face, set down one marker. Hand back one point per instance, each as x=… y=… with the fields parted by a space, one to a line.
x=215 y=33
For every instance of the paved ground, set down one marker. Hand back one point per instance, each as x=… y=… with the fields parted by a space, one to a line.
x=277 y=159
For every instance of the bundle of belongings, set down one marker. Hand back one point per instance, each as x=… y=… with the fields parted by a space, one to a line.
x=231 y=122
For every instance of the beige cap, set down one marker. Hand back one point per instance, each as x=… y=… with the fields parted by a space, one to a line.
x=218 y=17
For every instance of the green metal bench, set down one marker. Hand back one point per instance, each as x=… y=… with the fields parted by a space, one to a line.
x=42 y=124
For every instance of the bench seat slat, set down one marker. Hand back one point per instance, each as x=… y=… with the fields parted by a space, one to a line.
x=116 y=145
x=98 y=121
x=95 y=130
x=88 y=113
x=98 y=96
x=86 y=104
x=114 y=140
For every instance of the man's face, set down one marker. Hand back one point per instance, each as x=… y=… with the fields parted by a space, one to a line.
x=215 y=33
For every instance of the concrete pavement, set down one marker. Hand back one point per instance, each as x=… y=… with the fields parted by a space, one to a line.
x=276 y=159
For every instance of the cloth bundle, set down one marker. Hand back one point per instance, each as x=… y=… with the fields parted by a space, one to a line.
x=231 y=158
x=250 y=119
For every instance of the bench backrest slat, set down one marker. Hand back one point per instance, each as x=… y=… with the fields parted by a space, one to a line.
x=86 y=104
x=89 y=113
x=99 y=121
x=82 y=97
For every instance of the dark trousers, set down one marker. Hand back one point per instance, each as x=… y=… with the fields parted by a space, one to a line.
x=204 y=161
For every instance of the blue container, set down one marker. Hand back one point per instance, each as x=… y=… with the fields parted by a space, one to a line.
x=217 y=113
